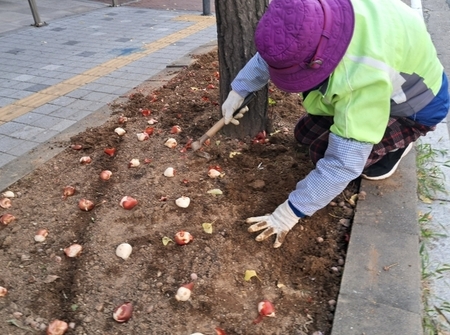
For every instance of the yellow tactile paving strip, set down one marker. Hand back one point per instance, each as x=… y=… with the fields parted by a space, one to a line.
x=25 y=105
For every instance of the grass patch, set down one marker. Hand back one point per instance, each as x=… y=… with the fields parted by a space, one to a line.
x=434 y=321
x=430 y=178
x=430 y=181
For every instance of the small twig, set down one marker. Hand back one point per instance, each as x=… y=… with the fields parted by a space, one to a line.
x=101 y=203
x=345 y=198
x=388 y=267
x=15 y=323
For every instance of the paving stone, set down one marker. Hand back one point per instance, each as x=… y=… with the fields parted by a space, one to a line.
x=5 y=159
x=356 y=315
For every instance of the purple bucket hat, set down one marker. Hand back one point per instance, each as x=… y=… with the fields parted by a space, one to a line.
x=303 y=41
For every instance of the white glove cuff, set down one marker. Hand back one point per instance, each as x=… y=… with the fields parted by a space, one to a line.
x=232 y=102
x=235 y=96
x=285 y=216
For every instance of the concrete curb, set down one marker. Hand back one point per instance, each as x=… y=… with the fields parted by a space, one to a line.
x=381 y=286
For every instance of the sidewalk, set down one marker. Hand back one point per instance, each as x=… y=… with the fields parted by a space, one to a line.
x=57 y=80
x=16 y=14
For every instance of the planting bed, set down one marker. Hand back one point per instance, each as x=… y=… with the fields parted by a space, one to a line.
x=301 y=278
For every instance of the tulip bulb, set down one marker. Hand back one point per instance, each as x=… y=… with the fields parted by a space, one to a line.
x=265 y=308
x=3 y=291
x=57 y=327
x=41 y=235
x=7 y=218
x=175 y=130
x=85 y=205
x=128 y=202
x=213 y=173
x=123 y=312
x=183 y=202
x=124 y=251
x=85 y=160
x=171 y=143
x=183 y=237
x=105 y=175
x=110 y=151
x=184 y=292
x=68 y=191
x=145 y=112
x=142 y=136
x=8 y=194
x=120 y=131
x=149 y=131
x=5 y=203
x=134 y=163
x=170 y=172
x=73 y=251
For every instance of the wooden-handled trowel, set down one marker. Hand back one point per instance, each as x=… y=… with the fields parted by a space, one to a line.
x=217 y=126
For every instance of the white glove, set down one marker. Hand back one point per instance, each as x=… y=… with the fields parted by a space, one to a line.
x=280 y=222
x=231 y=104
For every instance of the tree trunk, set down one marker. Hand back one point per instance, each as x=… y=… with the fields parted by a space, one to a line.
x=236 y=23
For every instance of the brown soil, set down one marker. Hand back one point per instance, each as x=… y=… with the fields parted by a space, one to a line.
x=300 y=278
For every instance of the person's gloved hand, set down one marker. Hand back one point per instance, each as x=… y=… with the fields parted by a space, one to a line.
x=279 y=222
x=230 y=105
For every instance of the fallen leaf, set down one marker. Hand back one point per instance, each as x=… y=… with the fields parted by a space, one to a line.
x=272 y=102
x=249 y=274
x=207 y=227
x=166 y=240
x=215 y=191
x=425 y=199
x=234 y=153
x=352 y=200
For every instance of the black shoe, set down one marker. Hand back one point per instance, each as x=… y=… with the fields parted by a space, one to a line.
x=387 y=165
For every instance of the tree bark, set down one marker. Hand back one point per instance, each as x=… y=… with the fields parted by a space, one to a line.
x=236 y=23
